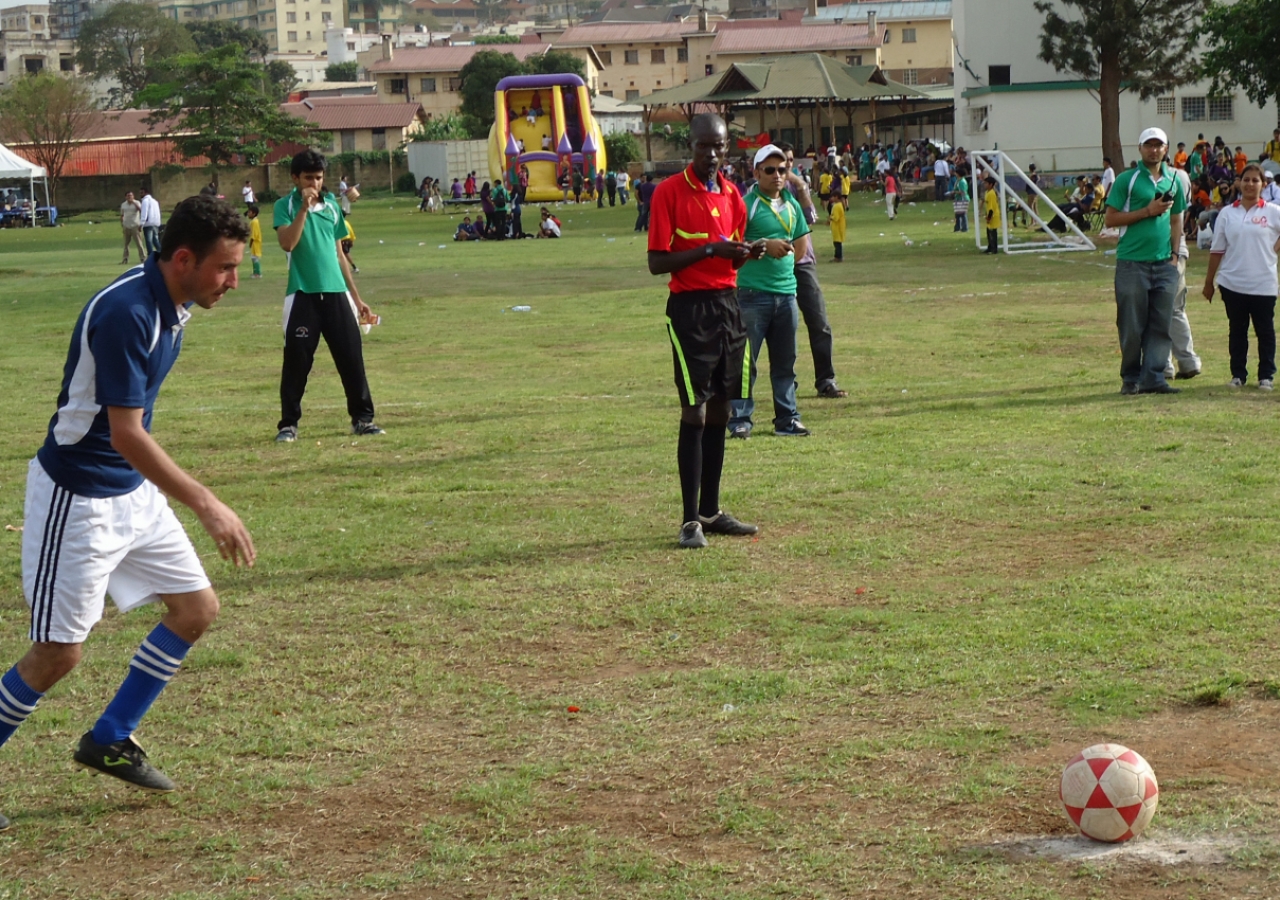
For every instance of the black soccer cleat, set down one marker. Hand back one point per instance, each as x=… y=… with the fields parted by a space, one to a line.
x=723 y=523
x=124 y=760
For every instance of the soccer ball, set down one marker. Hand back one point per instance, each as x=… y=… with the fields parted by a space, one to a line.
x=1109 y=792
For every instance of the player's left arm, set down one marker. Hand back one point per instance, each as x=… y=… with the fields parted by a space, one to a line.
x=361 y=307
x=130 y=439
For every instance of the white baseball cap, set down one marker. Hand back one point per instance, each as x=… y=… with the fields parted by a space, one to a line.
x=1151 y=133
x=1267 y=174
x=767 y=151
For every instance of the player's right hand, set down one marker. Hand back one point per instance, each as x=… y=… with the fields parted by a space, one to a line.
x=730 y=249
x=229 y=533
x=309 y=196
x=1158 y=207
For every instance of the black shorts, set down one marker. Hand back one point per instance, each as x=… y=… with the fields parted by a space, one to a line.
x=708 y=345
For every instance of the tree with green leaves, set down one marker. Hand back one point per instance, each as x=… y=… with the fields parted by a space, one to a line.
x=479 y=78
x=555 y=62
x=450 y=127
x=343 y=71
x=125 y=42
x=1146 y=46
x=222 y=106
x=1241 y=40
x=621 y=148
x=210 y=34
x=49 y=112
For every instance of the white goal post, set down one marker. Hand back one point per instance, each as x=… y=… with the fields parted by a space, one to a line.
x=999 y=167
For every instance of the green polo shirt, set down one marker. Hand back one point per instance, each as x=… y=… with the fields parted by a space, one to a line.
x=1146 y=240
x=313 y=264
x=776 y=276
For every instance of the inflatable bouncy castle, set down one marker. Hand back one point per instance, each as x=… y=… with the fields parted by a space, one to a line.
x=544 y=122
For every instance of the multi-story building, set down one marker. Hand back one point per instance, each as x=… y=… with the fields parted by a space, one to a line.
x=747 y=40
x=28 y=43
x=429 y=75
x=290 y=26
x=635 y=59
x=916 y=46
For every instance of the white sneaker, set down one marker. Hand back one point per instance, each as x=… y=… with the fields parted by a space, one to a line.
x=1265 y=384
x=1236 y=383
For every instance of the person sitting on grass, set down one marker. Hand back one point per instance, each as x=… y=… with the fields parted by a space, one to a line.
x=466 y=231
x=549 y=227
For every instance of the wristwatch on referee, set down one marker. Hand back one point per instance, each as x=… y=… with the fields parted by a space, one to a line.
x=710 y=250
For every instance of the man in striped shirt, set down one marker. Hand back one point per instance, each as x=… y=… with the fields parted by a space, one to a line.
x=97 y=518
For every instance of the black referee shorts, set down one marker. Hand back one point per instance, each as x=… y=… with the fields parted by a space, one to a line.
x=709 y=346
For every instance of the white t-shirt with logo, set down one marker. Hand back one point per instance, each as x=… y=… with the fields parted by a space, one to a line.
x=1246 y=238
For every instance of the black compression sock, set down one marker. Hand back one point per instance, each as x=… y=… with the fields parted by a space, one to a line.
x=713 y=438
x=689 y=459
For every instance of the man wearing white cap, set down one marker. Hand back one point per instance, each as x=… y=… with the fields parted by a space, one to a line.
x=1146 y=204
x=1270 y=190
x=767 y=292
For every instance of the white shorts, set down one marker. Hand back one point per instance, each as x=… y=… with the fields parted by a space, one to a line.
x=76 y=550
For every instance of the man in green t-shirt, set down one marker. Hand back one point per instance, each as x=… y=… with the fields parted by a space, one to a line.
x=1146 y=203
x=321 y=301
x=767 y=292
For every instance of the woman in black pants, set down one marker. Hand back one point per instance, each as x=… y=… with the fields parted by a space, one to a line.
x=1243 y=260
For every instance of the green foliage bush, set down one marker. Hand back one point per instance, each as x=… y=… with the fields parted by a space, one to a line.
x=406 y=183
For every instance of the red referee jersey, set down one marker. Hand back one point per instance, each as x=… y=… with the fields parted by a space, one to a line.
x=683 y=215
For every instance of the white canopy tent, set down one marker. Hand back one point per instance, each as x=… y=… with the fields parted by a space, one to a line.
x=14 y=168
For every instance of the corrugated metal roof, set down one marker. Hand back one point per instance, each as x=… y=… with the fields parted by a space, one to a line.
x=800 y=37
x=448 y=59
x=328 y=115
x=887 y=12
x=598 y=33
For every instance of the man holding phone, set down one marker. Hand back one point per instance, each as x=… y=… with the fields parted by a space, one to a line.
x=767 y=291
x=1146 y=204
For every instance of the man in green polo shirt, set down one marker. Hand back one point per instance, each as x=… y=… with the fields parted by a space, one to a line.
x=1146 y=203
x=767 y=292
x=322 y=300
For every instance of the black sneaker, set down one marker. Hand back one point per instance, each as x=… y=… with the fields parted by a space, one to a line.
x=741 y=432
x=831 y=392
x=124 y=760
x=286 y=435
x=723 y=523
x=1160 y=389
x=4 y=823
x=365 y=429
x=691 y=537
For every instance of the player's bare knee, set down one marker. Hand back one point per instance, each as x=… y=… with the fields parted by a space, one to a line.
x=190 y=615
x=694 y=415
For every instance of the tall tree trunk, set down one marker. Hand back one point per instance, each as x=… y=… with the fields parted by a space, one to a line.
x=1109 y=94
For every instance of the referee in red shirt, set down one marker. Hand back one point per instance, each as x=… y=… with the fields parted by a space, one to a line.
x=696 y=227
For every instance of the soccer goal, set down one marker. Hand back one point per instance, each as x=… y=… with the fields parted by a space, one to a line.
x=1001 y=168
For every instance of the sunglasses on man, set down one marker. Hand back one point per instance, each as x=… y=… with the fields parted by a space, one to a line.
x=774 y=170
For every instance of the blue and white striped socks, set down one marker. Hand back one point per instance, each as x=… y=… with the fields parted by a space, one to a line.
x=17 y=701
x=156 y=661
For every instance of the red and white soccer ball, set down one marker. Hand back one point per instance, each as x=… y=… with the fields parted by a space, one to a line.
x=1109 y=792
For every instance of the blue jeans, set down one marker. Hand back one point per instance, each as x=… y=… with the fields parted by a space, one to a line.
x=151 y=236
x=1144 y=309
x=772 y=319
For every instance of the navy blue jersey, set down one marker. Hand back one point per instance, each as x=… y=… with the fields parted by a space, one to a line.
x=124 y=344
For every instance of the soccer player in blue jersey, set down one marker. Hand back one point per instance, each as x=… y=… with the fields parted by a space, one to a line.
x=97 y=518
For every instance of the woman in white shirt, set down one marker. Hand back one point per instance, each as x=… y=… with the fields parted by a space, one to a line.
x=1246 y=238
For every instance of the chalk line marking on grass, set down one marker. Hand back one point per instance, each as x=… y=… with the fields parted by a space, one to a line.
x=1167 y=850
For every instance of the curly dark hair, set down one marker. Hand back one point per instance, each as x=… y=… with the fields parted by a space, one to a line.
x=200 y=222
x=308 y=161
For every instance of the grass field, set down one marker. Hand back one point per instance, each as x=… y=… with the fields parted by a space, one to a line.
x=983 y=560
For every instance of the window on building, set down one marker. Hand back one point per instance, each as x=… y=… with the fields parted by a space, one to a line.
x=682 y=54
x=33 y=66
x=888 y=33
x=2 y=67
x=66 y=64
x=657 y=56
x=291 y=36
x=1193 y=109
x=291 y=17
x=604 y=93
x=326 y=17
x=398 y=86
x=708 y=69
x=351 y=45
x=633 y=95
x=308 y=35
x=854 y=60
x=908 y=35
x=910 y=76
x=1222 y=109
x=606 y=57
x=348 y=142
x=307 y=16
x=997 y=75
x=379 y=139
x=978 y=116
x=455 y=85
x=631 y=57
x=428 y=85
x=1165 y=106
